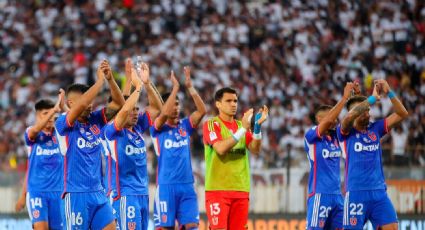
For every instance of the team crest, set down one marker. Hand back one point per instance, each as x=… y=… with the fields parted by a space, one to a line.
x=215 y=220
x=54 y=140
x=131 y=225
x=82 y=131
x=321 y=223
x=182 y=132
x=372 y=136
x=36 y=214
x=129 y=136
x=353 y=221
x=164 y=218
x=95 y=130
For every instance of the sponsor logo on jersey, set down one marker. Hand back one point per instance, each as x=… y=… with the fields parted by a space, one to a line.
x=358 y=147
x=326 y=153
x=174 y=144
x=131 y=150
x=82 y=143
x=47 y=152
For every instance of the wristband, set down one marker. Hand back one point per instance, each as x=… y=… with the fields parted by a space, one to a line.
x=391 y=94
x=257 y=136
x=192 y=90
x=371 y=100
x=239 y=134
x=257 y=127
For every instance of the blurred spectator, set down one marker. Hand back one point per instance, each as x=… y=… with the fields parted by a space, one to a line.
x=399 y=146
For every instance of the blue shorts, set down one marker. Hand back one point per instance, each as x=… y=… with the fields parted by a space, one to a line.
x=361 y=206
x=175 y=201
x=132 y=212
x=45 y=207
x=324 y=211
x=86 y=210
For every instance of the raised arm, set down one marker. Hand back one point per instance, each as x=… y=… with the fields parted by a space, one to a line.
x=222 y=147
x=126 y=91
x=130 y=103
x=40 y=124
x=400 y=112
x=155 y=101
x=255 y=145
x=63 y=106
x=168 y=106
x=87 y=98
x=333 y=114
x=201 y=110
x=348 y=121
x=117 y=97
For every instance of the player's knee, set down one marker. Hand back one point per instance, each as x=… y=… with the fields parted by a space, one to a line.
x=110 y=226
x=190 y=226
x=41 y=226
x=393 y=226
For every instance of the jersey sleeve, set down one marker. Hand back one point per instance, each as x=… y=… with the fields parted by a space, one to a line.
x=248 y=137
x=144 y=121
x=381 y=127
x=211 y=132
x=28 y=140
x=188 y=125
x=98 y=117
x=62 y=124
x=111 y=131
x=312 y=135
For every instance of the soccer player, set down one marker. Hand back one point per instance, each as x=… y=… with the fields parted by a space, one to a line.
x=107 y=162
x=124 y=138
x=366 y=197
x=44 y=179
x=85 y=204
x=227 y=177
x=325 y=201
x=175 y=197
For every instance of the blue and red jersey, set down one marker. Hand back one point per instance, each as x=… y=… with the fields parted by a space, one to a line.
x=45 y=163
x=324 y=154
x=363 y=153
x=82 y=147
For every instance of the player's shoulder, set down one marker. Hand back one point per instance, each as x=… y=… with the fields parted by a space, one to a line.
x=210 y=123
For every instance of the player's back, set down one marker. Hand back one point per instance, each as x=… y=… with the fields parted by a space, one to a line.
x=45 y=166
x=172 y=146
x=363 y=157
x=81 y=145
x=324 y=155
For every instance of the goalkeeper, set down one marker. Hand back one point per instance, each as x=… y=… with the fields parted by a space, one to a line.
x=227 y=177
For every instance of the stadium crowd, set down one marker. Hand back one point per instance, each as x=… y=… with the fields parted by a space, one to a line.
x=290 y=55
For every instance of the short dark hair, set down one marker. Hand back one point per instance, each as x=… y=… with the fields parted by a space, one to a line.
x=353 y=100
x=165 y=96
x=321 y=108
x=44 y=104
x=219 y=94
x=77 y=88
